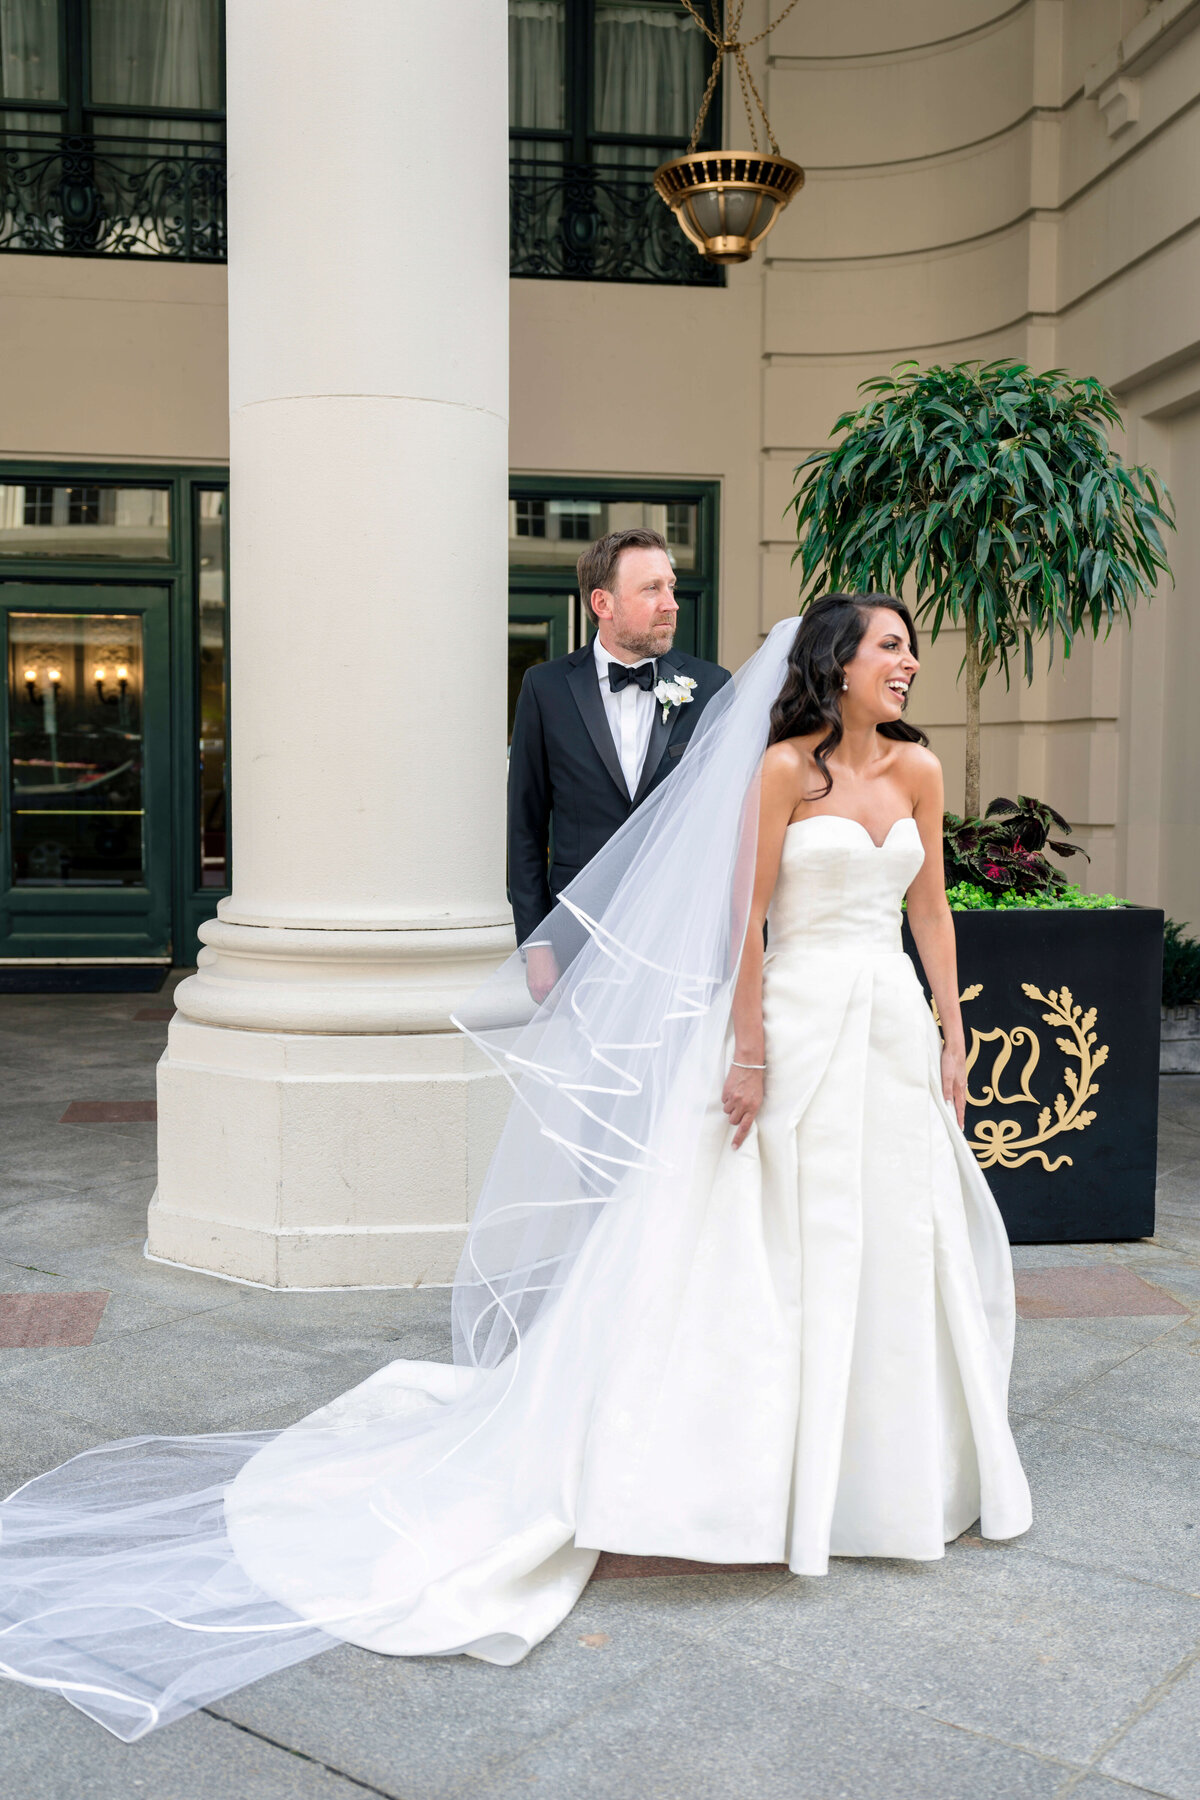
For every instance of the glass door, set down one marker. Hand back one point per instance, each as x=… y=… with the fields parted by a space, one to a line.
x=541 y=626
x=551 y=519
x=85 y=866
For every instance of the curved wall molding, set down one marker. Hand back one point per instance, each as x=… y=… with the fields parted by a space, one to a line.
x=818 y=33
x=964 y=200
x=882 y=111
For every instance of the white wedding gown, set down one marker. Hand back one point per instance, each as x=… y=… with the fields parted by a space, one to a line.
x=808 y=1357
x=790 y=1351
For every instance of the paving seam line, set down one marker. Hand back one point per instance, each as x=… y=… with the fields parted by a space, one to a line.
x=1070 y=1394
x=1098 y=1568
x=1047 y=1757
x=303 y=1755
x=614 y=1693
x=1147 y=1704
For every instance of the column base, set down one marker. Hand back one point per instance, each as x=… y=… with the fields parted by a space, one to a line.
x=297 y=1159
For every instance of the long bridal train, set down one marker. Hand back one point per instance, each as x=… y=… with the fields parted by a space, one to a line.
x=809 y=1357
x=791 y=1351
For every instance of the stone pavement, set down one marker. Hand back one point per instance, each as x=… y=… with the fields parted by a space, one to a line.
x=1066 y=1664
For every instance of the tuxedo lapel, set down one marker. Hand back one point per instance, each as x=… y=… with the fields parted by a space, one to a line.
x=585 y=686
x=660 y=731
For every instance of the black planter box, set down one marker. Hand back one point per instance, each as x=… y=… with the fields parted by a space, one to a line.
x=1060 y=1176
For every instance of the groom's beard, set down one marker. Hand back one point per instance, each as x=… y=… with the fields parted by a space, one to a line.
x=655 y=641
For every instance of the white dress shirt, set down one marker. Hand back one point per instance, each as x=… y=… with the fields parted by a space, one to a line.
x=630 y=716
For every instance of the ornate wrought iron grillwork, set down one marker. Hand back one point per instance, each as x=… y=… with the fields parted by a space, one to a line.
x=597 y=222
x=112 y=196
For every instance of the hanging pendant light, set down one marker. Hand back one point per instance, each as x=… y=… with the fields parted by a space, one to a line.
x=726 y=201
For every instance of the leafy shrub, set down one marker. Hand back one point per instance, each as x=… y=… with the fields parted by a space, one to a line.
x=967 y=896
x=1181 y=967
x=996 y=491
x=1003 y=852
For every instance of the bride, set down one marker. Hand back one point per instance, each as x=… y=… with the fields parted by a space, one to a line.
x=735 y=1289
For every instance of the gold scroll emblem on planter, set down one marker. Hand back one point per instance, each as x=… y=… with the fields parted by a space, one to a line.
x=999 y=1142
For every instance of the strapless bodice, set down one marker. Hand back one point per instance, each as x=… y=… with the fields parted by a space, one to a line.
x=840 y=891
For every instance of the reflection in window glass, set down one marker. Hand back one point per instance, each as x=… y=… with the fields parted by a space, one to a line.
x=75 y=749
x=528 y=644
x=680 y=530
x=549 y=533
x=29 y=67
x=575 y=521
x=132 y=524
x=156 y=53
x=649 y=70
x=529 y=518
x=536 y=52
x=211 y=659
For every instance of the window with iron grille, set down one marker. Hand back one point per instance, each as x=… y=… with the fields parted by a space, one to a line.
x=112 y=128
x=600 y=93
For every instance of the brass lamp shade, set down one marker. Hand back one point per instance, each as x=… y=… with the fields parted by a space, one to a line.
x=727 y=200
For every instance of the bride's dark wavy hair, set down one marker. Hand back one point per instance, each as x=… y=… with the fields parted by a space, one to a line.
x=810 y=699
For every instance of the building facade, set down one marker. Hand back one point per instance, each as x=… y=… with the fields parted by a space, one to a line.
x=985 y=178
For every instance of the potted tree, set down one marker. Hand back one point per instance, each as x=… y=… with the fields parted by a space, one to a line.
x=995 y=492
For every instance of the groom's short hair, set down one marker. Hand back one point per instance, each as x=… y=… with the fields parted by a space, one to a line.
x=598 y=566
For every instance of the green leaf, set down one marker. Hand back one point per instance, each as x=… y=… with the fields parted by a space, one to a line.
x=1040 y=466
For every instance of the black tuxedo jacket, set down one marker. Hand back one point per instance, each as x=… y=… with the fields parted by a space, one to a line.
x=566 y=793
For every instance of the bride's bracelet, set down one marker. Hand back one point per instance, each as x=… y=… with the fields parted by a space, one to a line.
x=739 y=1065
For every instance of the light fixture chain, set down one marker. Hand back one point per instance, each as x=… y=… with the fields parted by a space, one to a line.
x=711 y=85
x=742 y=74
x=714 y=37
x=725 y=40
x=767 y=29
x=744 y=69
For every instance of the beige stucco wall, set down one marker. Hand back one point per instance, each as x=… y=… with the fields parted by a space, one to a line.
x=619 y=379
x=964 y=199
x=113 y=360
x=972 y=191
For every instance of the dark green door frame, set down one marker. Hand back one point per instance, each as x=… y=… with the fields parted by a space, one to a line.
x=696 y=588
x=188 y=901
x=78 y=922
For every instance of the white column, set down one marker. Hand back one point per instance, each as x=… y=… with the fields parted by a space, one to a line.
x=321 y=1124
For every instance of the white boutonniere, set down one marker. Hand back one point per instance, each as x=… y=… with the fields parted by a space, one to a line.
x=674 y=693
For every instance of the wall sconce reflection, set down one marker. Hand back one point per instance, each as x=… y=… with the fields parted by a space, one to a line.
x=122 y=674
x=49 y=693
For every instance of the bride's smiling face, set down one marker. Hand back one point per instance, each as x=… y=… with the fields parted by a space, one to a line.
x=879 y=674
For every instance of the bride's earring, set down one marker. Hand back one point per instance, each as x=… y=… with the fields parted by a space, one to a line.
x=845 y=687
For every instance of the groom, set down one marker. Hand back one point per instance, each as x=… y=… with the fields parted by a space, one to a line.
x=589 y=738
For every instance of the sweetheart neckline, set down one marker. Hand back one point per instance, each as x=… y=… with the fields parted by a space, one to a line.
x=905 y=818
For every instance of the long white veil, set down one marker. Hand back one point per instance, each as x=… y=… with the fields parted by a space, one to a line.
x=119 y=1583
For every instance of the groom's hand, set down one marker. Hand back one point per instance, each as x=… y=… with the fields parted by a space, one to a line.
x=541 y=971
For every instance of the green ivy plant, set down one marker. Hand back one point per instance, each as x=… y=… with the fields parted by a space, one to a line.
x=968 y=896
x=1004 y=851
x=996 y=491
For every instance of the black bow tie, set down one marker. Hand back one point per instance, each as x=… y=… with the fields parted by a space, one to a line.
x=620 y=675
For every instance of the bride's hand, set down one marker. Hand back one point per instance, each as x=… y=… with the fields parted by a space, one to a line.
x=741 y=1100
x=954 y=1082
